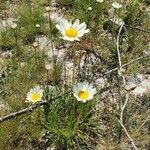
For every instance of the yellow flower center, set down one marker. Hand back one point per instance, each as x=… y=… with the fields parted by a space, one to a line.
x=84 y=94
x=71 y=32
x=36 y=97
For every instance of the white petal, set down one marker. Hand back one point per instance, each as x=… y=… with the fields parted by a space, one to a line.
x=68 y=39
x=84 y=101
x=58 y=27
x=80 y=85
x=75 y=88
x=82 y=33
x=64 y=24
x=86 y=31
x=77 y=39
x=86 y=84
x=81 y=26
x=76 y=23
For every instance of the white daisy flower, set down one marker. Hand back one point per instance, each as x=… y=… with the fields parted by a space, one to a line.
x=72 y=31
x=84 y=91
x=116 y=5
x=35 y=95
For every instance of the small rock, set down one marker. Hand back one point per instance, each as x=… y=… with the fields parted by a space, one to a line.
x=139 y=91
x=146 y=84
x=7 y=54
x=130 y=86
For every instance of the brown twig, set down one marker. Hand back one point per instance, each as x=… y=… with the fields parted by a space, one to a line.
x=28 y=109
x=136 y=28
x=123 y=106
x=125 y=65
x=128 y=135
x=23 y=111
x=119 y=54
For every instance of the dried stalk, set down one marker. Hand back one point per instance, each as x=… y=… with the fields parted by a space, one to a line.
x=123 y=107
x=125 y=65
x=136 y=28
x=23 y=111
x=123 y=104
x=28 y=109
x=128 y=135
x=119 y=55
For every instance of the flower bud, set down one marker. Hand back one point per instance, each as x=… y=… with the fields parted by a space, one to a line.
x=35 y=44
x=37 y=25
x=48 y=8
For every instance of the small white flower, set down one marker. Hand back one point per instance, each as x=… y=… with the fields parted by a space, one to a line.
x=100 y=1
x=48 y=8
x=48 y=66
x=89 y=8
x=37 y=25
x=35 y=95
x=116 y=5
x=72 y=31
x=84 y=91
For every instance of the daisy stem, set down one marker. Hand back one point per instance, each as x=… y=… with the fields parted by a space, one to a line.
x=50 y=33
x=30 y=6
x=65 y=75
x=16 y=37
x=35 y=55
x=46 y=111
x=74 y=63
x=47 y=73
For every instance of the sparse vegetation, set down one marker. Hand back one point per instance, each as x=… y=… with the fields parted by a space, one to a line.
x=113 y=56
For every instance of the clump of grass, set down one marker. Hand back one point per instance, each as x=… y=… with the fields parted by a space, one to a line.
x=7 y=38
x=20 y=132
x=22 y=76
x=67 y=120
x=29 y=17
